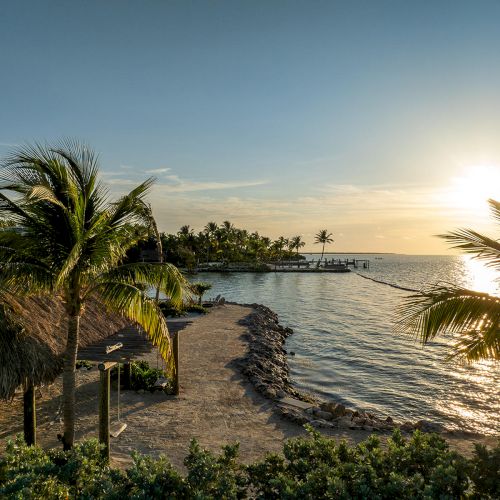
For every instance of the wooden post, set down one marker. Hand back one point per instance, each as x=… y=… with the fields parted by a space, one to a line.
x=104 y=385
x=29 y=414
x=127 y=375
x=175 y=348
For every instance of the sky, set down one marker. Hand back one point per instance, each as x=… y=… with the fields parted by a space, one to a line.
x=378 y=120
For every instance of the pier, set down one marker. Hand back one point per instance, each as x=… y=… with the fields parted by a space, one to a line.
x=289 y=266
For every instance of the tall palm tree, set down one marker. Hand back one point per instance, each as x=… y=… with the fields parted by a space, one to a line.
x=472 y=317
x=210 y=230
x=70 y=241
x=296 y=244
x=323 y=237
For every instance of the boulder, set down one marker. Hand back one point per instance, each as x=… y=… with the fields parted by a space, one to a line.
x=336 y=409
x=324 y=415
x=426 y=426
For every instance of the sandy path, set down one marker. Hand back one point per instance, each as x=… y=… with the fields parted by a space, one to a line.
x=216 y=405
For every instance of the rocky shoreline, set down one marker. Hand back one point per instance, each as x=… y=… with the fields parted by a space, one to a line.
x=266 y=367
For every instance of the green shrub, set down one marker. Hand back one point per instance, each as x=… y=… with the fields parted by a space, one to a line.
x=485 y=471
x=143 y=377
x=28 y=472
x=311 y=467
x=170 y=310
x=196 y=308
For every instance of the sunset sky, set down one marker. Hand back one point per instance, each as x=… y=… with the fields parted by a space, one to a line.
x=379 y=120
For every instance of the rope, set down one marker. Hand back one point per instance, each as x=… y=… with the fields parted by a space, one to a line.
x=388 y=284
x=118 y=405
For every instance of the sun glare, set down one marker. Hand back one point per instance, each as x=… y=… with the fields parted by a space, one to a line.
x=479 y=277
x=470 y=191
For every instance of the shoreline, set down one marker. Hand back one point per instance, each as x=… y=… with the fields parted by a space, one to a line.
x=218 y=404
x=266 y=367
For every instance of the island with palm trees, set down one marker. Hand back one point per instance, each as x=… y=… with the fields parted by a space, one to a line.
x=226 y=248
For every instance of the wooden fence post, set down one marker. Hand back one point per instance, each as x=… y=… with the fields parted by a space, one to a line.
x=175 y=348
x=104 y=386
x=29 y=407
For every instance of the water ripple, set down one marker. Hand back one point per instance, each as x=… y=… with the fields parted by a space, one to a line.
x=346 y=350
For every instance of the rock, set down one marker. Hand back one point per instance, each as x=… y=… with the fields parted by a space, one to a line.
x=324 y=415
x=281 y=394
x=407 y=427
x=292 y=353
x=426 y=426
x=389 y=420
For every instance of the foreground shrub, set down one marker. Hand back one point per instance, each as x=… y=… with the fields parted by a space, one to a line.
x=318 y=467
x=28 y=472
x=311 y=467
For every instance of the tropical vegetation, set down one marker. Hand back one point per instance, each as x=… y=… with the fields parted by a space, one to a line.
x=64 y=237
x=221 y=244
x=199 y=290
x=471 y=317
x=308 y=468
x=323 y=237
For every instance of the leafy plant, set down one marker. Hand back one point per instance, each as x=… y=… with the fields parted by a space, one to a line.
x=313 y=467
x=143 y=376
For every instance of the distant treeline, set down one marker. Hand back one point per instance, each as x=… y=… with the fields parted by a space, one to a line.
x=223 y=244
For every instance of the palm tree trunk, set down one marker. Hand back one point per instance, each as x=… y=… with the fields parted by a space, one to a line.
x=323 y=251
x=69 y=381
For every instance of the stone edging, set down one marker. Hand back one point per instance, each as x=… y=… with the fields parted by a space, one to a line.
x=266 y=367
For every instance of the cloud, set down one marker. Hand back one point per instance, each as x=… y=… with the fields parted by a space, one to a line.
x=178 y=185
x=158 y=170
x=9 y=144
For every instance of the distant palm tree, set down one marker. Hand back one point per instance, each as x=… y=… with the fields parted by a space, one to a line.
x=210 y=230
x=323 y=237
x=72 y=242
x=296 y=244
x=474 y=317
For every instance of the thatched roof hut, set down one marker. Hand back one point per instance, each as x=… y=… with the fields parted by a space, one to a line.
x=33 y=337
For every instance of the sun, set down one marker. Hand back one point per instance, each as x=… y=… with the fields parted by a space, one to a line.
x=470 y=191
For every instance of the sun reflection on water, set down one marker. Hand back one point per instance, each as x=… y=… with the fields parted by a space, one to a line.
x=480 y=278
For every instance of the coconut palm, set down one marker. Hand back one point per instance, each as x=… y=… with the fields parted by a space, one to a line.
x=70 y=241
x=296 y=244
x=472 y=317
x=323 y=237
x=199 y=289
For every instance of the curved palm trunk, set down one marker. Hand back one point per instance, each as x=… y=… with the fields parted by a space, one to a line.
x=322 y=252
x=69 y=381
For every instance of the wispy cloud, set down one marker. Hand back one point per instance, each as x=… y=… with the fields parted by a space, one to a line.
x=9 y=144
x=177 y=185
x=158 y=170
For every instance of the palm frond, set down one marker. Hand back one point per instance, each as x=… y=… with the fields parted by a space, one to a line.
x=134 y=304
x=166 y=277
x=495 y=208
x=472 y=242
x=454 y=310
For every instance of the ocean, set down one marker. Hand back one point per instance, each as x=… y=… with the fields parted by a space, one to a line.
x=346 y=350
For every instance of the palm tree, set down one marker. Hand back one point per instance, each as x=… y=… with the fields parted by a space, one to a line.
x=473 y=317
x=209 y=231
x=323 y=237
x=296 y=244
x=72 y=242
x=199 y=289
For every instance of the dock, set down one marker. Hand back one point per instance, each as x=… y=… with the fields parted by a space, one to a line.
x=290 y=266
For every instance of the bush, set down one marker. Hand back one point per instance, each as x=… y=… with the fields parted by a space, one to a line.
x=312 y=467
x=143 y=376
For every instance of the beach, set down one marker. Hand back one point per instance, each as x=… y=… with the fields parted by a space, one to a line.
x=217 y=403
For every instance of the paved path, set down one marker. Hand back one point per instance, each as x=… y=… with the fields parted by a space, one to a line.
x=216 y=405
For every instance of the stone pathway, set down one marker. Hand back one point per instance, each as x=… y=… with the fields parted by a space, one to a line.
x=217 y=404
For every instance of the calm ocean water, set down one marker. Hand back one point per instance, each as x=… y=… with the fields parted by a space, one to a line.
x=346 y=350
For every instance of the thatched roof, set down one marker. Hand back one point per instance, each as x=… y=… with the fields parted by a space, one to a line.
x=33 y=336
